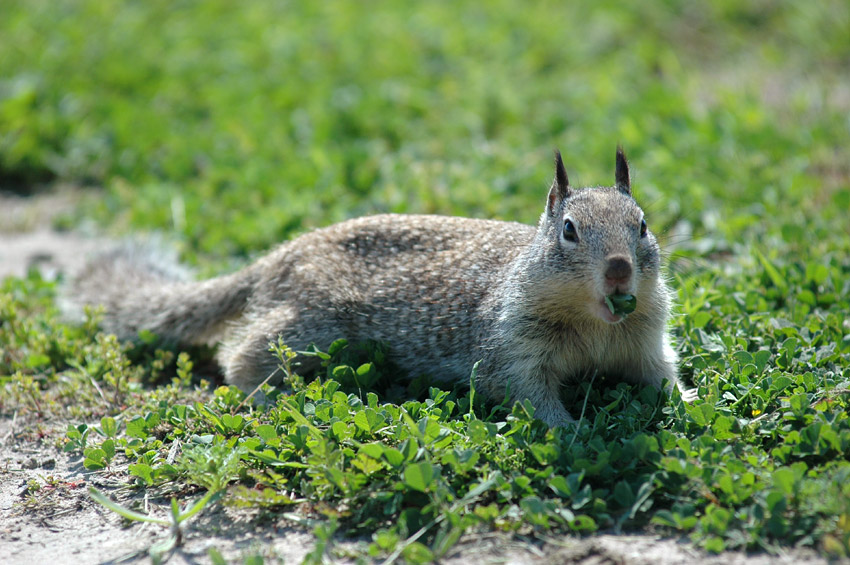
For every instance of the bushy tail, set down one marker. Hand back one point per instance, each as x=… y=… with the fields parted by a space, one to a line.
x=139 y=290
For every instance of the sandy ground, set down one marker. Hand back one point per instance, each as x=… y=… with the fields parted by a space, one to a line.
x=58 y=522
x=27 y=239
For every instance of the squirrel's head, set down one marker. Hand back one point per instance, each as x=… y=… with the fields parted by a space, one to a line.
x=598 y=237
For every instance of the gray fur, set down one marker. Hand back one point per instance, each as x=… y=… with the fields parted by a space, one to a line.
x=444 y=292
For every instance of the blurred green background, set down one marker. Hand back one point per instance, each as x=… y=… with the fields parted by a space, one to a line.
x=233 y=125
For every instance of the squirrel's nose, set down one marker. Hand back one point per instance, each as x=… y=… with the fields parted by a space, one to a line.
x=619 y=269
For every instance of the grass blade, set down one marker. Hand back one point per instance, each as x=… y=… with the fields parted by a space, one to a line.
x=125 y=512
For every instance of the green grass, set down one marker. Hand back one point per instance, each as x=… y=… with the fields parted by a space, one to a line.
x=230 y=127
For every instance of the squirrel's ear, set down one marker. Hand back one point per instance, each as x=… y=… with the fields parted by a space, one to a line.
x=621 y=174
x=560 y=186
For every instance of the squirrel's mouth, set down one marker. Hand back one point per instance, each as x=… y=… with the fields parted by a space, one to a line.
x=601 y=311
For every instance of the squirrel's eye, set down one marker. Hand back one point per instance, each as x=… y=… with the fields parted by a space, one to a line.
x=570 y=231
x=643 y=228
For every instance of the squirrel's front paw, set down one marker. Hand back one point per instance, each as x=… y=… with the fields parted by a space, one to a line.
x=689 y=394
x=555 y=418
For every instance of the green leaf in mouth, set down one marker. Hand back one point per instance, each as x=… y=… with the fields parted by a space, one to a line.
x=621 y=304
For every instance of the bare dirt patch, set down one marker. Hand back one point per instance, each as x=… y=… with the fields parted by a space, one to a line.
x=29 y=240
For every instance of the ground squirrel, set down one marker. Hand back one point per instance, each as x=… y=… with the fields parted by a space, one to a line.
x=444 y=292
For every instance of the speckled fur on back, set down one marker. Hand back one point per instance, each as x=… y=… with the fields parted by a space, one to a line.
x=444 y=292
